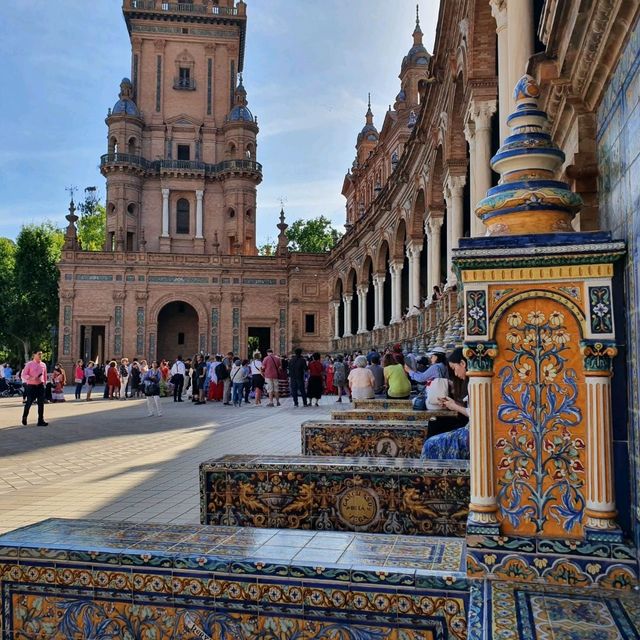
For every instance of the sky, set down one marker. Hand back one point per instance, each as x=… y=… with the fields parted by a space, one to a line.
x=309 y=65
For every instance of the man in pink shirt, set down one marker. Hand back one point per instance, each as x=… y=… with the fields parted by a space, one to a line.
x=34 y=376
x=271 y=369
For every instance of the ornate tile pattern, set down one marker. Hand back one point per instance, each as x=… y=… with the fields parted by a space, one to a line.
x=609 y=565
x=535 y=612
x=381 y=403
x=384 y=440
x=376 y=495
x=100 y=580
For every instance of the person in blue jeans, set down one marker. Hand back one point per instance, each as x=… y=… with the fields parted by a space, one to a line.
x=237 y=376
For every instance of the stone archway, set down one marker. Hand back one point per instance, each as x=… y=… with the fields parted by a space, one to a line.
x=177 y=331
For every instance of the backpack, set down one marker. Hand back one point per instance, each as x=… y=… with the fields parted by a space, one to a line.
x=222 y=373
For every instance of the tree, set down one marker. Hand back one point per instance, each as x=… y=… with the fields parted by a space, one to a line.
x=92 y=224
x=7 y=268
x=33 y=288
x=315 y=235
x=268 y=248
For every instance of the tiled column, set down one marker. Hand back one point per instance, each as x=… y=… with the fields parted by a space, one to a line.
x=336 y=320
x=435 y=229
x=362 y=308
x=165 y=213
x=454 y=191
x=600 y=508
x=413 y=253
x=395 y=269
x=199 y=196
x=499 y=11
x=346 y=299
x=483 y=506
x=378 y=289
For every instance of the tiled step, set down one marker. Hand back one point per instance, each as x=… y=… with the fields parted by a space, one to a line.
x=379 y=415
x=374 y=495
x=352 y=438
x=382 y=403
x=71 y=578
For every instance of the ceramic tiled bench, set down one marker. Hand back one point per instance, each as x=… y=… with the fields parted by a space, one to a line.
x=374 y=495
x=379 y=415
x=351 y=438
x=81 y=579
x=382 y=403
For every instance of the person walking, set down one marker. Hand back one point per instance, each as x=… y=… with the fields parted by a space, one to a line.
x=78 y=378
x=340 y=377
x=177 y=378
x=151 y=381
x=271 y=370
x=200 y=377
x=297 y=369
x=228 y=362
x=34 y=376
x=247 y=380
x=316 y=383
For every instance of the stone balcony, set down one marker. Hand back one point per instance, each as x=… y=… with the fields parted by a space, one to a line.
x=112 y=162
x=191 y=8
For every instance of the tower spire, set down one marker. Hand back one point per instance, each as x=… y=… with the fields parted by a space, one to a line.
x=369 y=116
x=417 y=32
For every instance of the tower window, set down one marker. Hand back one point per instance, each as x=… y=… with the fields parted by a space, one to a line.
x=184 y=152
x=185 y=79
x=181 y=338
x=182 y=216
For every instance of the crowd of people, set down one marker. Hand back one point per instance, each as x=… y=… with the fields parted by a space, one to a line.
x=434 y=380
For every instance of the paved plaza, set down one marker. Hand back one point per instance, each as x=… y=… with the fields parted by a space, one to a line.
x=108 y=460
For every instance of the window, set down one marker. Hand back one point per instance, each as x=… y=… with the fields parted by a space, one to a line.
x=129 y=241
x=309 y=322
x=182 y=216
x=184 y=152
x=181 y=338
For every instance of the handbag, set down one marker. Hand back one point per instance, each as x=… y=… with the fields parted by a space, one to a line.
x=79 y=380
x=439 y=388
x=152 y=389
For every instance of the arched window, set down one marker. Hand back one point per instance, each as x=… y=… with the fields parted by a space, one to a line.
x=133 y=145
x=182 y=216
x=113 y=145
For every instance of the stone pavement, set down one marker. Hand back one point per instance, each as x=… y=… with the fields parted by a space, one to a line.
x=107 y=460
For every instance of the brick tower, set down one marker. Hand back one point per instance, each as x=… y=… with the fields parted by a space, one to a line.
x=181 y=165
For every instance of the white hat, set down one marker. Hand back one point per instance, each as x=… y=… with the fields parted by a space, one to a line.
x=437 y=350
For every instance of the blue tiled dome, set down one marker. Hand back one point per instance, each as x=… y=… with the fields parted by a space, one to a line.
x=369 y=132
x=240 y=113
x=125 y=104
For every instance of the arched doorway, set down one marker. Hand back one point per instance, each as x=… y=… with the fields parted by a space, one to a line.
x=177 y=331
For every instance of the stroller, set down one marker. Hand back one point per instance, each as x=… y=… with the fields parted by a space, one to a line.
x=8 y=389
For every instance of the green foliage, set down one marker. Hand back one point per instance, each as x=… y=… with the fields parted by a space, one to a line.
x=268 y=248
x=315 y=235
x=30 y=288
x=92 y=225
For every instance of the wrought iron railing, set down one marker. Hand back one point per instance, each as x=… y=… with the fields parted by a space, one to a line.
x=155 y=166
x=184 y=84
x=181 y=7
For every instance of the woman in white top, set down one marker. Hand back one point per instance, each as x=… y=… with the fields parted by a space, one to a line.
x=257 y=379
x=361 y=380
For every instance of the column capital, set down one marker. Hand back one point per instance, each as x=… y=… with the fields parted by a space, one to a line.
x=395 y=268
x=598 y=356
x=480 y=357
x=335 y=303
x=165 y=193
x=480 y=113
x=470 y=131
x=499 y=12
x=199 y=194
x=347 y=299
x=414 y=249
x=455 y=186
x=362 y=289
x=434 y=223
x=379 y=279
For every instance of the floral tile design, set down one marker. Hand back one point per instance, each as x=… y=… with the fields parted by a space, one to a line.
x=388 y=439
x=536 y=612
